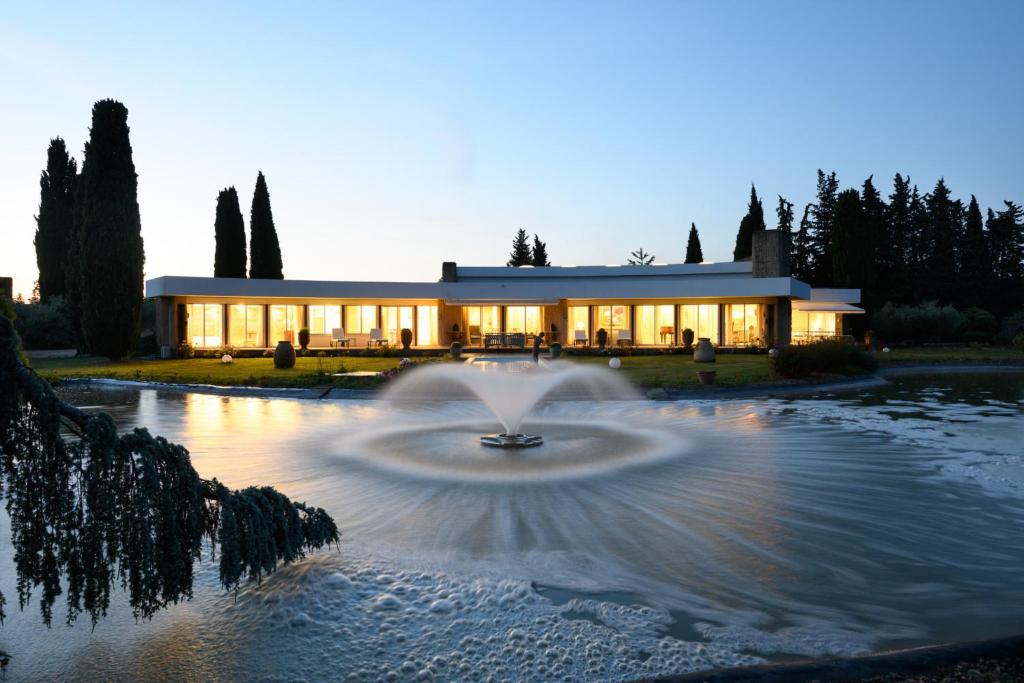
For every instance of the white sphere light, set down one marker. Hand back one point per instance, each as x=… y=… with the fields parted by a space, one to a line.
x=226 y=358
x=886 y=350
x=615 y=363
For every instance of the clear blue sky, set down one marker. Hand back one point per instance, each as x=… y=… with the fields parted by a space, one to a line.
x=395 y=136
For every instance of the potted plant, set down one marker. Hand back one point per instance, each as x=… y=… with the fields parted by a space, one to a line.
x=688 y=338
x=602 y=338
x=456 y=334
x=304 y=338
x=706 y=376
x=456 y=350
x=553 y=337
x=556 y=350
x=406 y=338
x=284 y=355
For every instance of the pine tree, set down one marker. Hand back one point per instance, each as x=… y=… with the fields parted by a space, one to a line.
x=694 y=254
x=942 y=227
x=229 y=232
x=974 y=287
x=754 y=220
x=1005 y=231
x=53 y=224
x=823 y=213
x=111 y=254
x=801 y=248
x=520 y=255
x=640 y=258
x=851 y=248
x=875 y=289
x=917 y=248
x=899 y=230
x=264 y=249
x=539 y=253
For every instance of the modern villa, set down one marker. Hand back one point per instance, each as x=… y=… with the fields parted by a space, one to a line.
x=743 y=303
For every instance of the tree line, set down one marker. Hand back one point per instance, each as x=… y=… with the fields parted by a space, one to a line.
x=908 y=249
x=537 y=255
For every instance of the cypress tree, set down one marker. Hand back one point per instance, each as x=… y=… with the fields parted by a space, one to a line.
x=264 y=249
x=801 y=248
x=229 y=231
x=520 y=255
x=754 y=220
x=539 y=254
x=976 y=264
x=941 y=228
x=110 y=239
x=823 y=214
x=694 y=254
x=53 y=224
x=73 y=266
x=851 y=247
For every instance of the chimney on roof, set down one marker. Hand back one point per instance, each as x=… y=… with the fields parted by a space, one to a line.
x=448 y=272
x=770 y=253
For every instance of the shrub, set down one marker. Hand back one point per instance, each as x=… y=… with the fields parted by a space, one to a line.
x=980 y=325
x=185 y=351
x=1011 y=327
x=456 y=350
x=822 y=357
x=926 y=322
x=406 y=335
x=44 y=326
x=304 y=338
x=1018 y=341
x=687 y=337
x=227 y=350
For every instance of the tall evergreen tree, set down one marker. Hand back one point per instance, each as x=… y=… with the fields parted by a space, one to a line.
x=73 y=266
x=899 y=229
x=1006 y=245
x=229 y=232
x=694 y=254
x=754 y=220
x=264 y=249
x=942 y=227
x=53 y=224
x=111 y=254
x=976 y=263
x=823 y=214
x=917 y=248
x=520 y=255
x=877 y=246
x=784 y=212
x=539 y=253
x=801 y=248
x=851 y=247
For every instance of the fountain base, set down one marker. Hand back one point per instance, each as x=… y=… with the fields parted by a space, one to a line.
x=511 y=440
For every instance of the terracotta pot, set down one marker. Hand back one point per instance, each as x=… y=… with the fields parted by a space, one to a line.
x=704 y=352
x=706 y=376
x=284 y=355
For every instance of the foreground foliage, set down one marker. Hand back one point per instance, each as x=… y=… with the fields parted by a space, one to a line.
x=109 y=509
x=827 y=357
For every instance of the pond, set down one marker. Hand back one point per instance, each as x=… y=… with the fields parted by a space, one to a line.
x=695 y=534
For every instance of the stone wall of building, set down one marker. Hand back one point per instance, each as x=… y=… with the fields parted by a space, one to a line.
x=770 y=253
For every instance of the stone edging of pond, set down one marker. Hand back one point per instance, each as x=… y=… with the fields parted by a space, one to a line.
x=920 y=661
x=657 y=394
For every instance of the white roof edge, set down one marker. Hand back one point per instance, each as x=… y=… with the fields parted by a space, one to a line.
x=846 y=296
x=826 y=307
x=729 y=267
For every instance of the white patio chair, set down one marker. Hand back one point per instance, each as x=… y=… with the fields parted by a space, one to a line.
x=580 y=338
x=624 y=338
x=377 y=337
x=338 y=337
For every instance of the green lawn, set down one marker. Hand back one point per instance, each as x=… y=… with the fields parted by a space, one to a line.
x=243 y=371
x=956 y=354
x=679 y=370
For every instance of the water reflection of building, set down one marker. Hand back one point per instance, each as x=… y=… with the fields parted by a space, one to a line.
x=752 y=302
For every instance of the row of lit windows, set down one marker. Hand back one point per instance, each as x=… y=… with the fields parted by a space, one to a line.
x=205 y=323
x=656 y=324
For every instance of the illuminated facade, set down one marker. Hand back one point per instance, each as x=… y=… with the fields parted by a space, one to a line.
x=736 y=304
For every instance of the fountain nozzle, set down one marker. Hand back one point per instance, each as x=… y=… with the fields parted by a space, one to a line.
x=511 y=440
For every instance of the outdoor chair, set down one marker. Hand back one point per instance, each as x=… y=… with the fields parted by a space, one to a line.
x=377 y=337
x=580 y=339
x=338 y=337
x=474 y=334
x=624 y=338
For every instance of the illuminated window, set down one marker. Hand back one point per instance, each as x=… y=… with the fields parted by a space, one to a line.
x=393 y=319
x=655 y=324
x=323 y=319
x=285 y=322
x=245 y=325
x=702 y=319
x=426 y=325
x=809 y=326
x=744 y=324
x=524 y=319
x=579 y=321
x=360 y=319
x=612 y=319
x=205 y=325
x=481 y=320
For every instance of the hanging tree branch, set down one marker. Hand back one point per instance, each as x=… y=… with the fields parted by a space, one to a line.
x=127 y=509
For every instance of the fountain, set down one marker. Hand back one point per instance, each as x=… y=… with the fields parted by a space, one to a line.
x=511 y=392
